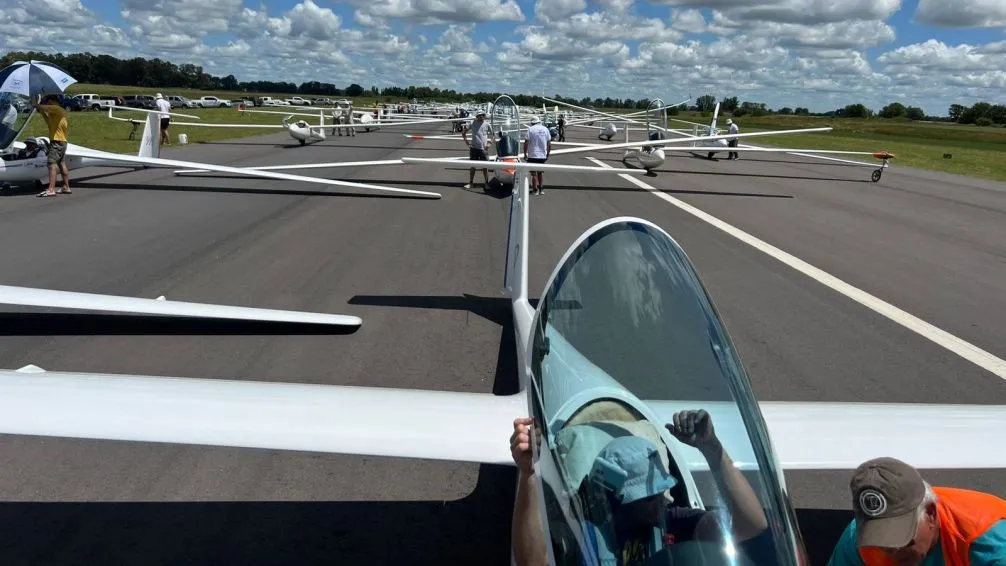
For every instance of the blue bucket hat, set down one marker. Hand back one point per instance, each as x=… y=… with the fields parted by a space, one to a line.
x=630 y=467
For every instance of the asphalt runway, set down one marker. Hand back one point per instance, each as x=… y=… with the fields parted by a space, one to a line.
x=426 y=277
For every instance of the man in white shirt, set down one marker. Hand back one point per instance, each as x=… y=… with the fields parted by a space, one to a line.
x=537 y=149
x=164 y=107
x=732 y=142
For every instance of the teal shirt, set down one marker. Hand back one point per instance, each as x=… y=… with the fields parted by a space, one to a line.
x=987 y=550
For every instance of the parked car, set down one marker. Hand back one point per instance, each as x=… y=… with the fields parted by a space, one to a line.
x=298 y=101
x=139 y=101
x=94 y=102
x=213 y=102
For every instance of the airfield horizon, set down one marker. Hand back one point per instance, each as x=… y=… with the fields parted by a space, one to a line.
x=960 y=149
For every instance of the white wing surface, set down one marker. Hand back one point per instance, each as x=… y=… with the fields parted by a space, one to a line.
x=25 y=296
x=373 y=421
x=841 y=436
x=80 y=151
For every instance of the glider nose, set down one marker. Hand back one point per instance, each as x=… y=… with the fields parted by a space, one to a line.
x=884 y=155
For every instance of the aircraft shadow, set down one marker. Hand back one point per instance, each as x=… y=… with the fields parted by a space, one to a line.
x=329 y=145
x=80 y=324
x=758 y=175
x=821 y=529
x=472 y=530
x=388 y=182
x=783 y=161
x=499 y=194
x=30 y=189
x=668 y=191
x=494 y=309
x=249 y=191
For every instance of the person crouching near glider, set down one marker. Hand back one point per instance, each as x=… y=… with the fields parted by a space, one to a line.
x=900 y=520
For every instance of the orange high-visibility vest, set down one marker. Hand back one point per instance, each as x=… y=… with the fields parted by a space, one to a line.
x=964 y=516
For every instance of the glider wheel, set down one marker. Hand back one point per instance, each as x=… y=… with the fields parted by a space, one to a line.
x=876 y=175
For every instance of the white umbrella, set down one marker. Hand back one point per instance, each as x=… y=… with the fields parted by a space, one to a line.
x=36 y=77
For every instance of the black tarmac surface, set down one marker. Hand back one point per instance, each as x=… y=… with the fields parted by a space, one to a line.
x=426 y=277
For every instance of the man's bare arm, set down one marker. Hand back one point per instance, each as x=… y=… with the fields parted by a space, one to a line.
x=695 y=428
x=527 y=539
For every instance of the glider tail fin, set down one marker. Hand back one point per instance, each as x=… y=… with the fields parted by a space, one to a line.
x=712 y=125
x=150 y=142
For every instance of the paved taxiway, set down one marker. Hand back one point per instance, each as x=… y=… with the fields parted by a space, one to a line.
x=425 y=276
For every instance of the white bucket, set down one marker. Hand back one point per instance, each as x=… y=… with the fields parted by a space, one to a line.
x=183 y=139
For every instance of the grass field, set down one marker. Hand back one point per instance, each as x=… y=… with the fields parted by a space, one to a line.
x=96 y=131
x=975 y=151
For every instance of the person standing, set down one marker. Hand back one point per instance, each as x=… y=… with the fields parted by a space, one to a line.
x=480 y=132
x=55 y=119
x=537 y=149
x=164 y=108
x=732 y=142
x=561 y=126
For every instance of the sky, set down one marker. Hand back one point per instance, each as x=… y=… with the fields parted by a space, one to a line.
x=821 y=54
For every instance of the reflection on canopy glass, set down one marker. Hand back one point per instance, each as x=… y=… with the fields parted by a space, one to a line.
x=625 y=342
x=15 y=109
x=504 y=121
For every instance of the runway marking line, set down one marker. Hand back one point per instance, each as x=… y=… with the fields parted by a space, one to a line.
x=962 y=348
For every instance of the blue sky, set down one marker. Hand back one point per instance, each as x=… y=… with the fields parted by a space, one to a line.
x=816 y=53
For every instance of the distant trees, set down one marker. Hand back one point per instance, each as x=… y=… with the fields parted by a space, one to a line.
x=729 y=104
x=854 y=111
x=982 y=114
x=915 y=113
x=892 y=110
x=754 y=109
x=354 y=90
x=785 y=111
x=705 y=103
x=801 y=111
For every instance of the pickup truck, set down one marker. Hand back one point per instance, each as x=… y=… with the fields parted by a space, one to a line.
x=270 y=101
x=298 y=101
x=93 y=102
x=212 y=102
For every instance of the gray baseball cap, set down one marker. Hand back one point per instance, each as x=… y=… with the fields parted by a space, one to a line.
x=886 y=494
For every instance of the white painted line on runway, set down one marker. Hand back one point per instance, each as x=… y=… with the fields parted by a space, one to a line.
x=962 y=348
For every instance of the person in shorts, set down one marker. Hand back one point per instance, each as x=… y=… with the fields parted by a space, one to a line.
x=537 y=149
x=480 y=132
x=164 y=108
x=55 y=118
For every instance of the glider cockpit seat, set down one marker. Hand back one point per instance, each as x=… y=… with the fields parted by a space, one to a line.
x=507 y=147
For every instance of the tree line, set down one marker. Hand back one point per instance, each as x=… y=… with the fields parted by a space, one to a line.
x=157 y=73
x=982 y=113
